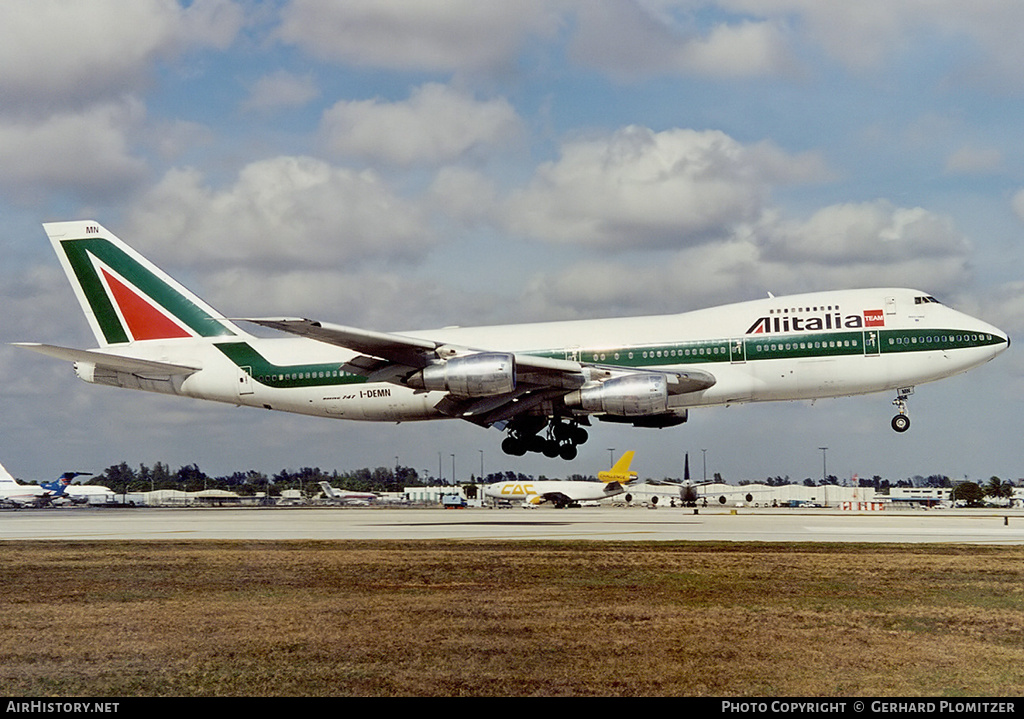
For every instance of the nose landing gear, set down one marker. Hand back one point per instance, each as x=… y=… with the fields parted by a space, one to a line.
x=901 y=422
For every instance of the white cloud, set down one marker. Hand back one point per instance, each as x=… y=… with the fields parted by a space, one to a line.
x=81 y=52
x=84 y=152
x=436 y=124
x=632 y=39
x=873 y=232
x=981 y=42
x=972 y=160
x=842 y=246
x=640 y=188
x=295 y=210
x=1017 y=203
x=443 y=35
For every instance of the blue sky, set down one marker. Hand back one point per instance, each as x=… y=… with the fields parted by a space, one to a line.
x=397 y=165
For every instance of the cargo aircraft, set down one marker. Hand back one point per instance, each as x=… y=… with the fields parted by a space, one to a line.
x=540 y=383
x=569 y=493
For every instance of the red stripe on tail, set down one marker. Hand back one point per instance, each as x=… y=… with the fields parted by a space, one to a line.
x=145 y=321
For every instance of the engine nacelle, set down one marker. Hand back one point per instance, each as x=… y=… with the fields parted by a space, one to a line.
x=652 y=421
x=484 y=374
x=633 y=395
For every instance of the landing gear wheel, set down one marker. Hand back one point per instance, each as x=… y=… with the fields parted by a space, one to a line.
x=561 y=439
x=901 y=422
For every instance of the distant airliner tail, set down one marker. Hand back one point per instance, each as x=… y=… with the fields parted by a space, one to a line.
x=620 y=471
x=125 y=297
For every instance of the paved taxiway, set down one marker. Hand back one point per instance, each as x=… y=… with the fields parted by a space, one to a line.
x=598 y=523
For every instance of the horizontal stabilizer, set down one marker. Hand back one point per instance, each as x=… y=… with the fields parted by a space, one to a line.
x=103 y=359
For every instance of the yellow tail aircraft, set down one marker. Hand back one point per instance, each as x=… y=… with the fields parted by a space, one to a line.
x=567 y=493
x=620 y=472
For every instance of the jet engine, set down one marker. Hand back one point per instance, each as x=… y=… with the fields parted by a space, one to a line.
x=484 y=374
x=632 y=395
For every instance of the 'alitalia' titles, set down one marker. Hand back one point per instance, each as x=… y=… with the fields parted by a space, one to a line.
x=826 y=321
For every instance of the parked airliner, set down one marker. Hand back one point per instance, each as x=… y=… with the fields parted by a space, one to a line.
x=541 y=383
x=15 y=494
x=570 y=493
x=344 y=496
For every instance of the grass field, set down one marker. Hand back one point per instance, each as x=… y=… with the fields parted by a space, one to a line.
x=510 y=619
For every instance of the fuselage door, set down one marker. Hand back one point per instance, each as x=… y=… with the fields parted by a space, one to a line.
x=871 y=348
x=737 y=351
x=890 y=306
x=244 y=381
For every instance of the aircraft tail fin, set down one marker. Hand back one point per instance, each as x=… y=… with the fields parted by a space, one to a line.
x=327 y=488
x=5 y=475
x=620 y=471
x=125 y=297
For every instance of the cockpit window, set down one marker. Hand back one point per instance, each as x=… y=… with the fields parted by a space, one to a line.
x=923 y=300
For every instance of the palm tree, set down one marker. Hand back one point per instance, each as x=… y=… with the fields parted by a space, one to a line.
x=998 y=489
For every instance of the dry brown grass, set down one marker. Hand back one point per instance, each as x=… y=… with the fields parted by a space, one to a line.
x=457 y=618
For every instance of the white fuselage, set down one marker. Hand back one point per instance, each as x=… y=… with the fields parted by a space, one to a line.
x=535 y=492
x=20 y=494
x=826 y=344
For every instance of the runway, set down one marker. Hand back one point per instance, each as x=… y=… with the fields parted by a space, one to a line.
x=598 y=523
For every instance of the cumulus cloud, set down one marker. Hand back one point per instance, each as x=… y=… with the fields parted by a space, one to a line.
x=296 y=210
x=81 y=52
x=873 y=232
x=436 y=124
x=865 y=36
x=640 y=188
x=444 y=35
x=630 y=39
x=871 y=244
x=84 y=152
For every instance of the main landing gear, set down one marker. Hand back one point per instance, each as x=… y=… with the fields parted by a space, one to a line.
x=560 y=438
x=901 y=422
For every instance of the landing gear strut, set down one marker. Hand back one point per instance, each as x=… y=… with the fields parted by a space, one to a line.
x=901 y=422
x=561 y=438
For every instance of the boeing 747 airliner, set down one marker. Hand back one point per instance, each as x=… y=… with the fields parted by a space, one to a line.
x=541 y=383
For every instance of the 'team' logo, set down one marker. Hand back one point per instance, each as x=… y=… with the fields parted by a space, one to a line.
x=827 y=321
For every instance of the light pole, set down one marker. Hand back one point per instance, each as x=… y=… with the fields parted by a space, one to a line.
x=611 y=456
x=704 y=455
x=824 y=475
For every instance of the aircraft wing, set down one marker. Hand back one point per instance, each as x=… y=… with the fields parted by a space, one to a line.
x=557 y=498
x=102 y=359
x=387 y=357
x=408 y=351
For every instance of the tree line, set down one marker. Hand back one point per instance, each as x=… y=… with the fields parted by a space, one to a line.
x=122 y=478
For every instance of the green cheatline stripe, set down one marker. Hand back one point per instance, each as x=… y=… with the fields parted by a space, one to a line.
x=286 y=376
x=78 y=251
x=788 y=346
x=748 y=349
